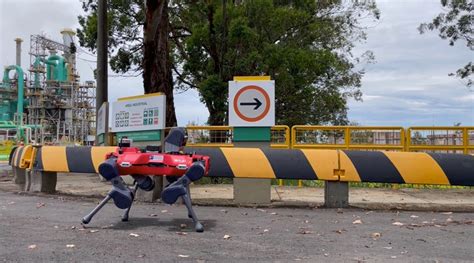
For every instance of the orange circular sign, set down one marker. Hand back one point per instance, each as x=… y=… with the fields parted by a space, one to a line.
x=260 y=116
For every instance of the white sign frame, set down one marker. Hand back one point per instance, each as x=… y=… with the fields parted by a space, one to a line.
x=252 y=103
x=134 y=113
x=102 y=118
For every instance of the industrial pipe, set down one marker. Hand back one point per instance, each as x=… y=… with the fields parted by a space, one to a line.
x=18 y=51
x=59 y=64
x=20 y=98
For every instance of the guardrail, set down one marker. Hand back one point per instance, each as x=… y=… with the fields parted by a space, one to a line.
x=348 y=137
x=440 y=139
x=280 y=137
x=210 y=136
x=222 y=136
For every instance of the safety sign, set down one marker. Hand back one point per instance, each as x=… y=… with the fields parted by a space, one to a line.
x=252 y=103
x=139 y=113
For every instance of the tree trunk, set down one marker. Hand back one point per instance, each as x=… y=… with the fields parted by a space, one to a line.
x=157 y=76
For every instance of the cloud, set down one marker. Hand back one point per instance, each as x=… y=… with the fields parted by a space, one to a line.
x=409 y=85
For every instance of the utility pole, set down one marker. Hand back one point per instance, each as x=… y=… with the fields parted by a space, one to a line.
x=102 y=65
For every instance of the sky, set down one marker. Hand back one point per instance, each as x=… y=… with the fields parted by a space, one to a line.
x=407 y=86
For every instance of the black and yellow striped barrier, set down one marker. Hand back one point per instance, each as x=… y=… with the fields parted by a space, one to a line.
x=77 y=159
x=407 y=168
x=338 y=165
x=302 y=164
x=22 y=156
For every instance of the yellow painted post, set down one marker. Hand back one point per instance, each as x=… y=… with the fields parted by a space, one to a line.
x=287 y=137
x=347 y=137
x=300 y=183
x=293 y=136
x=408 y=140
x=403 y=139
x=465 y=140
x=280 y=182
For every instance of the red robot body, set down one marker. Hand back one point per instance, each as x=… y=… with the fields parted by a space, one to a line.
x=131 y=160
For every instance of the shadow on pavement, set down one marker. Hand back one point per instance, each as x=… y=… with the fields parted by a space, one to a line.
x=173 y=225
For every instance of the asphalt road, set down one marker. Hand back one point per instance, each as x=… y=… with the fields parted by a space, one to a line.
x=40 y=228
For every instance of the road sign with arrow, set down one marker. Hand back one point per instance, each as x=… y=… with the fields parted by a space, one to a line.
x=252 y=103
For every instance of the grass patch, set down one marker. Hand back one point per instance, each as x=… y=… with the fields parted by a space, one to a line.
x=320 y=184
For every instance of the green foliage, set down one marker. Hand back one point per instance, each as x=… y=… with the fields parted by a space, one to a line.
x=456 y=23
x=304 y=45
x=125 y=26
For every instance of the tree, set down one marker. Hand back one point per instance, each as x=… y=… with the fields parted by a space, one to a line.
x=304 y=45
x=138 y=43
x=455 y=23
x=157 y=63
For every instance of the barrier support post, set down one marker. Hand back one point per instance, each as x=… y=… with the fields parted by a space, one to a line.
x=42 y=181
x=246 y=190
x=336 y=194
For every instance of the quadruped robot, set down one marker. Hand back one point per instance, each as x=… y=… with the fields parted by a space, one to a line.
x=179 y=168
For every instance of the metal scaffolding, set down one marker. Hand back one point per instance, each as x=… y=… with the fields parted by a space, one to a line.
x=60 y=109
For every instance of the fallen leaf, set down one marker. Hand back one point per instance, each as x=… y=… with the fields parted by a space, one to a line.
x=73 y=227
x=94 y=231
x=414 y=216
x=339 y=231
x=56 y=227
x=183 y=226
x=388 y=248
x=261 y=210
x=226 y=236
x=305 y=232
x=134 y=235
x=449 y=220
x=39 y=205
x=326 y=254
x=153 y=215
x=70 y=246
x=358 y=221
x=164 y=211
x=397 y=224
x=274 y=213
x=181 y=233
x=141 y=256
x=447 y=213
x=223 y=211
x=306 y=221
x=266 y=230
x=32 y=246
x=393 y=257
x=375 y=235
x=183 y=256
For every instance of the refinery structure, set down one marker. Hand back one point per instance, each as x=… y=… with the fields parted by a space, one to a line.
x=45 y=102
